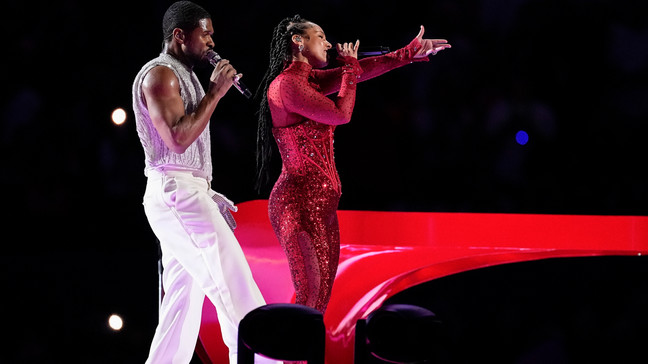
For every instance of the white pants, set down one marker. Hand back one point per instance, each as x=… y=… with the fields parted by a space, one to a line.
x=200 y=256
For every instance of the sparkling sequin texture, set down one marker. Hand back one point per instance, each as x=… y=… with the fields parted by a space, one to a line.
x=304 y=200
x=303 y=206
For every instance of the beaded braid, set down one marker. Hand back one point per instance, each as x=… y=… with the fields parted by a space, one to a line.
x=280 y=57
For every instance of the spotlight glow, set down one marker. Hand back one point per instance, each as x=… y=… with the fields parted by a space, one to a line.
x=115 y=322
x=118 y=116
x=521 y=137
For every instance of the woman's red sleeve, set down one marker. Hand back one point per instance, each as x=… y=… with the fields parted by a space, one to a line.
x=329 y=80
x=306 y=99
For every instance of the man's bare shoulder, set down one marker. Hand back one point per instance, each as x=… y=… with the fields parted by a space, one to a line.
x=160 y=80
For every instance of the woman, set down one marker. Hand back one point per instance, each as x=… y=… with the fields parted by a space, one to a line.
x=295 y=108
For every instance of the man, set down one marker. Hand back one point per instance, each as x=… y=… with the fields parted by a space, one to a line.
x=200 y=253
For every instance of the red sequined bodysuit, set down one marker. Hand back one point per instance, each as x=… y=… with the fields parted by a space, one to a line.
x=304 y=200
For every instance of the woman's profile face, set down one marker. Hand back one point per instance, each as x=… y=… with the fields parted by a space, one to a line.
x=316 y=46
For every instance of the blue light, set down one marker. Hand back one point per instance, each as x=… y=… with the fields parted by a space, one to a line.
x=521 y=137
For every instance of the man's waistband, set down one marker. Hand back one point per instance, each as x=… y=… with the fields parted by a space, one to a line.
x=170 y=171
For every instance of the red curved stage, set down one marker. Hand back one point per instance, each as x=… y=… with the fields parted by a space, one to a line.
x=384 y=253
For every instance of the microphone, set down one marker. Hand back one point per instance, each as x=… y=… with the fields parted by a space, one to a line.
x=373 y=51
x=214 y=58
x=369 y=51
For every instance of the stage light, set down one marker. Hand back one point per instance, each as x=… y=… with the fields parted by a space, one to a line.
x=118 y=116
x=521 y=137
x=115 y=322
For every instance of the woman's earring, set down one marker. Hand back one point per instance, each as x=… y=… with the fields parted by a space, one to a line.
x=299 y=39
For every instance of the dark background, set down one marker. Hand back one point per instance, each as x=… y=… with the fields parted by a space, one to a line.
x=438 y=136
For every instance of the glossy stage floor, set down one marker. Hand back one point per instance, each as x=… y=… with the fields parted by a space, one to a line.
x=567 y=288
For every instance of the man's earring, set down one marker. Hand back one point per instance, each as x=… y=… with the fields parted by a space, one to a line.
x=301 y=47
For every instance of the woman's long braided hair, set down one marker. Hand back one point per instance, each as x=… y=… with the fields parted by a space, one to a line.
x=280 y=57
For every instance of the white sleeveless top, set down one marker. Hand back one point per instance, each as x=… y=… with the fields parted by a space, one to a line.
x=197 y=157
